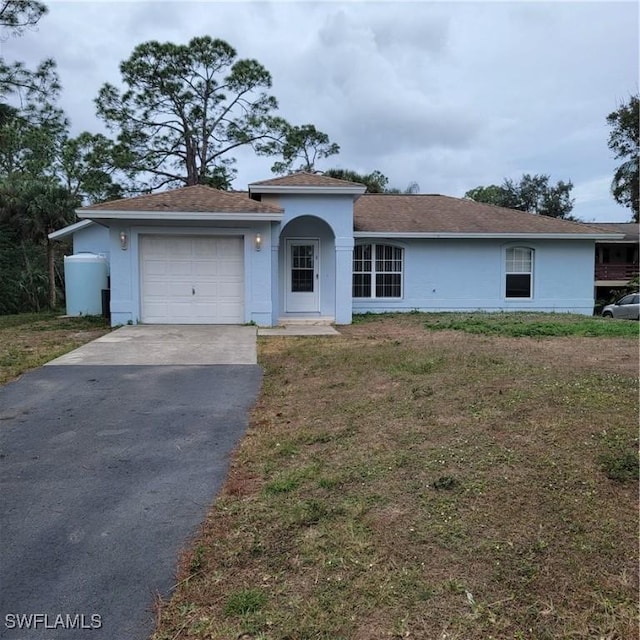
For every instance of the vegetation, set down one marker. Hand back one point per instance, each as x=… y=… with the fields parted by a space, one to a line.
x=376 y=182
x=530 y=324
x=439 y=484
x=532 y=193
x=624 y=141
x=184 y=111
x=186 y=108
x=29 y=340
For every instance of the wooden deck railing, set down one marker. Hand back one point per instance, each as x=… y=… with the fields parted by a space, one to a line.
x=616 y=271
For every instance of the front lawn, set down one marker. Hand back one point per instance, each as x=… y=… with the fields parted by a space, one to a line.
x=28 y=340
x=401 y=482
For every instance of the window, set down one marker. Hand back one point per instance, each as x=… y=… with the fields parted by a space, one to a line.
x=519 y=271
x=630 y=299
x=377 y=271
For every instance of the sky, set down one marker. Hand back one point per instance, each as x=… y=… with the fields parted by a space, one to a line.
x=450 y=95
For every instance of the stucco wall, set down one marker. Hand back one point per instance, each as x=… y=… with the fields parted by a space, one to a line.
x=469 y=275
x=125 y=267
x=94 y=239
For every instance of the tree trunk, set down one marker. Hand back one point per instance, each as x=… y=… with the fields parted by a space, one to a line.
x=52 y=274
x=192 y=170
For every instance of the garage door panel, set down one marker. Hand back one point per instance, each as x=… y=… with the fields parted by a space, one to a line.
x=178 y=268
x=228 y=290
x=192 y=279
x=208 y=269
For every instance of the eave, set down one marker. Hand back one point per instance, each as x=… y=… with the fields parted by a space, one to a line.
x=487 y=236
x=306 y=190
x=69 y=230
x=198 y=216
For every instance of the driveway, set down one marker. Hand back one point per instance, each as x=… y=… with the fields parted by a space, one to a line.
x=110 y=458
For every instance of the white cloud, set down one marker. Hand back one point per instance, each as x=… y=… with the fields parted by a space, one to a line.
x=451 y=95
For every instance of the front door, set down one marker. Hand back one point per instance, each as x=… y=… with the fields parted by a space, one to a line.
x=302 y=267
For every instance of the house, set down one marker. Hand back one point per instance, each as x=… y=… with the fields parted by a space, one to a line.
x=306 y=246
x=616 y=260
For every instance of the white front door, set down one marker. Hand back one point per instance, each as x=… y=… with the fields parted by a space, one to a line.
x=302 y=266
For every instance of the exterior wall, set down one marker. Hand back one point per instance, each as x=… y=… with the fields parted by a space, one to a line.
x=469 y=275
x=93 y=239
x=330 y=219
x=125 y=267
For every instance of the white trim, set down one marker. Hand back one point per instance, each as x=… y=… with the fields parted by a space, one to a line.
x=374 y=272
x=462 y=234
x=316 y=305
x=160 y=216
x=307 y=189
x=506 y=273
x=69 y=230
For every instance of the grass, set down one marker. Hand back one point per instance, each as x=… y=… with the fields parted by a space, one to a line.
x=524 y=324
x=29 y=340
x=402 y=482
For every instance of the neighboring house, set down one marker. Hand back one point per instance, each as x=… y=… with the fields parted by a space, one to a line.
x=310 y=247
x=616 y=260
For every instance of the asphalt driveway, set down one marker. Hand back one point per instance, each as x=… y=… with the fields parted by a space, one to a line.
x=107 y=469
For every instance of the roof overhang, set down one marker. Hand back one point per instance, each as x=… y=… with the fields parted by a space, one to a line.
x=69 y=230
x=198 y=216
x=486 y=236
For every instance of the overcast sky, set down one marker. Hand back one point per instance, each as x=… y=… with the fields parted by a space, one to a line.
x=451 y=95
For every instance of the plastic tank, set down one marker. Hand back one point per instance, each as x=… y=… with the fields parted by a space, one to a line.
x=85 y=276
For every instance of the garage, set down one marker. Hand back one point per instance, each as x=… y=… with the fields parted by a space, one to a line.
x=191 y=279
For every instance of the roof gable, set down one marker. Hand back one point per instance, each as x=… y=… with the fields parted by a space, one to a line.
x=306 y=179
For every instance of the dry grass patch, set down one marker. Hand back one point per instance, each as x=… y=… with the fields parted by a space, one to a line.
x=397 y=482
x=29 y=340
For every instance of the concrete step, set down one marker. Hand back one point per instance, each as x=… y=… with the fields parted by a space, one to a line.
x=316 y=321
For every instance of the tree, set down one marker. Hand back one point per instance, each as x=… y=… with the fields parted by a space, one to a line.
x=376 y=182
x=18 y=15
x=411 y=189
x=624 y=141
x=305 y=145
x=85 y=167
x=532 y=193
x=186 y=108
x=493 y=194
x=34 y=208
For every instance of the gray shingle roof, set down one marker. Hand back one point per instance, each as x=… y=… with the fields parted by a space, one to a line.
x=631 y=230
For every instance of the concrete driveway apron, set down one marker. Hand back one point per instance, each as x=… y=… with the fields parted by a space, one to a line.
x=110 y=457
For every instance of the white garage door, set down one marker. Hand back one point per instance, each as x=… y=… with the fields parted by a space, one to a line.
x=192 y=279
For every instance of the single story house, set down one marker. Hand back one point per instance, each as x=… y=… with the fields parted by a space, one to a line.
x=310 y=247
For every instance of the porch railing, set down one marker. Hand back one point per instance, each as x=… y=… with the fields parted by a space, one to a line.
x=616 y=271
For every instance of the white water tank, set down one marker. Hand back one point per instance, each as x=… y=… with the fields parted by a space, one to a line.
x=85 y=276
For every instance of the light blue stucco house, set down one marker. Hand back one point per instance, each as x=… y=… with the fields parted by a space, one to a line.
x=313 y=248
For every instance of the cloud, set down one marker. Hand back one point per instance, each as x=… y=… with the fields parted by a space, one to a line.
x=452 y=95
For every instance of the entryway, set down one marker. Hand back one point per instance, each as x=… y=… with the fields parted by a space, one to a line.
x=302 y=276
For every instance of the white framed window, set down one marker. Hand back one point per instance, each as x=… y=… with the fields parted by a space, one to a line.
x=377 y=271
x=519 y=272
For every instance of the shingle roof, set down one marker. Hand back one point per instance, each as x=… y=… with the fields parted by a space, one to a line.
x=631 y=230
x=198 y=198
x=418 y=213
x=304 y=179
